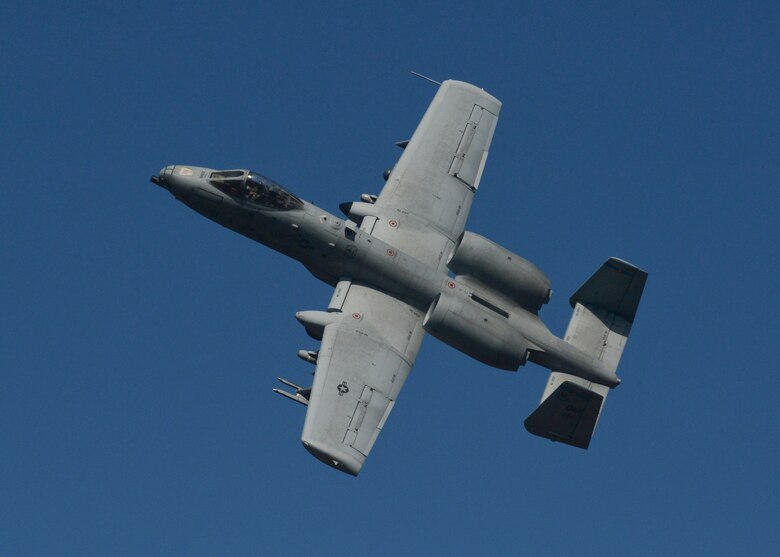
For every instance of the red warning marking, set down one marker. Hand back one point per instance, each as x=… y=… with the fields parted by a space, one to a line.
x=393 y=223
x=391 y=252
x=450 y=284
x=356 y=315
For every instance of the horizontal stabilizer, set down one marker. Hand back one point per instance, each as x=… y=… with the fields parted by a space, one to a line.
x=568 y=415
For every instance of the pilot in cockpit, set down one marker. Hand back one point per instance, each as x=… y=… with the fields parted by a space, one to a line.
x=255 y=188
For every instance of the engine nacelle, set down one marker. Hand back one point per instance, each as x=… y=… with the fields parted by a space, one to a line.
x=477 y=331
x=500 y=270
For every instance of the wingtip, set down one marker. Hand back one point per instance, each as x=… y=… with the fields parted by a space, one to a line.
x=334 y=458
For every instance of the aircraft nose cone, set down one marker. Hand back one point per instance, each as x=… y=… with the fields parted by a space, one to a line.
x=166 y=173
x=163 y=179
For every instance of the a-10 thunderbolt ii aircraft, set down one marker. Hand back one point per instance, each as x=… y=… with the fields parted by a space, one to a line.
x=402 y=265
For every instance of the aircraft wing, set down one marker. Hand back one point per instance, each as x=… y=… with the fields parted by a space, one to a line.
x=366 y=354
x=422 y=209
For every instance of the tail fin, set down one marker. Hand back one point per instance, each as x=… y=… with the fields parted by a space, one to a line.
x=604 y=310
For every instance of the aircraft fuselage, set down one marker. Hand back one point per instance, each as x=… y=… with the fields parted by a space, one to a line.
x=332 y=249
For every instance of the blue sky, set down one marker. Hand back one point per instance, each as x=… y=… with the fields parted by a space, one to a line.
x=139 y=342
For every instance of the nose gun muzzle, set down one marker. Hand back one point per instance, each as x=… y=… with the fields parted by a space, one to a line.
x=163 y=177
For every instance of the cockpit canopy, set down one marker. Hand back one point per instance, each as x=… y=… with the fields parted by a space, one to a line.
x=252 y=187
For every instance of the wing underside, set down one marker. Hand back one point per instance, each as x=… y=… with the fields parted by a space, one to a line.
x=364 y=360
x=425 y=203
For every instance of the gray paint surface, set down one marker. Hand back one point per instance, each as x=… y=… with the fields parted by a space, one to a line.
x=388 y=265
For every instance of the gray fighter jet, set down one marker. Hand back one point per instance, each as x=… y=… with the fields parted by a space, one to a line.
x=402 y=265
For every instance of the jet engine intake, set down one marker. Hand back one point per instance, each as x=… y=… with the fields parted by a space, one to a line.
x=476 y=331
x=477 y=259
